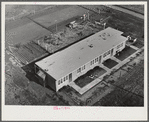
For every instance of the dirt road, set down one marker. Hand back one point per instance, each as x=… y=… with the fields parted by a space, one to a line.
x=126 y=11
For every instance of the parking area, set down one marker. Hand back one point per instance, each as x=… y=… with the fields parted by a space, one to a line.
x=89 y=76
x=125 y=53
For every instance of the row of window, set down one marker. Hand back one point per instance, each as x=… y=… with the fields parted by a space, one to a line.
x=94 y=61
x=119 y=45
x=80 y=69
x=107 y=53
x=63 y=80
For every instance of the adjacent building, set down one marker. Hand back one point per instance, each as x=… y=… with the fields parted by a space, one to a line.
x=63 y=67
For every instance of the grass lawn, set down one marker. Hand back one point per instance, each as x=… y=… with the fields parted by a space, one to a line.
x=110 y=63
x=138 y=44
x=86 y=79
x=125 y=53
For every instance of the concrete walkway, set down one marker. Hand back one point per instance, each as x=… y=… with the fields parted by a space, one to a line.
x=116 y=59
x=136 y=48
x=104 y=67
x=126 y=11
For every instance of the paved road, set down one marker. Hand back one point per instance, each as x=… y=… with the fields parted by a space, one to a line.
x=127 y=11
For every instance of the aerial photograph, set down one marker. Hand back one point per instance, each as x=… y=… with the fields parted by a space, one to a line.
x=74 y=55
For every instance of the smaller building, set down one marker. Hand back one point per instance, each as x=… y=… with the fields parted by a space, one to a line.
x=63 y=67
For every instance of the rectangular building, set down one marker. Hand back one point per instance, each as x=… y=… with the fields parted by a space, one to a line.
x=63 y=67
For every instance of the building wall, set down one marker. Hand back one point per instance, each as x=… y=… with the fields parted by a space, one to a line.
x=88 y=66
x=64 y=81
x=49 y=80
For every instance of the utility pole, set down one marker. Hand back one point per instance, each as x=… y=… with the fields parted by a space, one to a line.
x=120 y=74
x=99 y=11
x=88 y=15
x=104 y=25
x=56 y=25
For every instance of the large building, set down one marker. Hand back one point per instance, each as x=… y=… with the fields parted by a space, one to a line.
x=63 y=67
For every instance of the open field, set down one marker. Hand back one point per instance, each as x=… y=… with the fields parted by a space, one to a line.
x=14 y=12
x=118 y=20
x=29 y=52
x=23 y=31
x=20 y=91
x=135 y=8
x=62 y=38
x=122 y=93
x=129 y=91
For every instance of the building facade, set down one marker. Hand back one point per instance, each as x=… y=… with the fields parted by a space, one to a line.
x=66 y=66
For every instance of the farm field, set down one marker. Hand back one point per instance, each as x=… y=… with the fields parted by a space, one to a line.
x=128 y=92
x=26 y=30
x=24 y=33
x=59 y=16
x=136 y=8
x=21 y=91
x=17 y=9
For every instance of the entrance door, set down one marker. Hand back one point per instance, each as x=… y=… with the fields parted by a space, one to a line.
x=112 y=52
x=70 y=77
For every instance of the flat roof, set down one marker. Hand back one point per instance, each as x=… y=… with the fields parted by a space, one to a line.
x=62 y=63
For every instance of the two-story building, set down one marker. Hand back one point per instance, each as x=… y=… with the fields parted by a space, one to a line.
x=63 y=67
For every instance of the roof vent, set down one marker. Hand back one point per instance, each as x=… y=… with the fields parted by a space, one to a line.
x=51 y=64
x=46 y=70
x=82 y=48
x=91 y=45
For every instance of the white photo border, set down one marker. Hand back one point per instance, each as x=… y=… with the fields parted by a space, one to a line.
x=46 y=113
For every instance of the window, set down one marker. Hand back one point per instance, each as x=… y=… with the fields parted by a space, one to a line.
x=66 y=77
x=100 y=59
x=104 y=55
x=97 y=59
x=107 y=53
x=59 y=82
x=91 y=62
x=79 y=70
x=120 y=45
x=84 y=66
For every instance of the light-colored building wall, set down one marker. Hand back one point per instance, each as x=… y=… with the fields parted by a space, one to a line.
x=64 y=81
x=88 y=66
